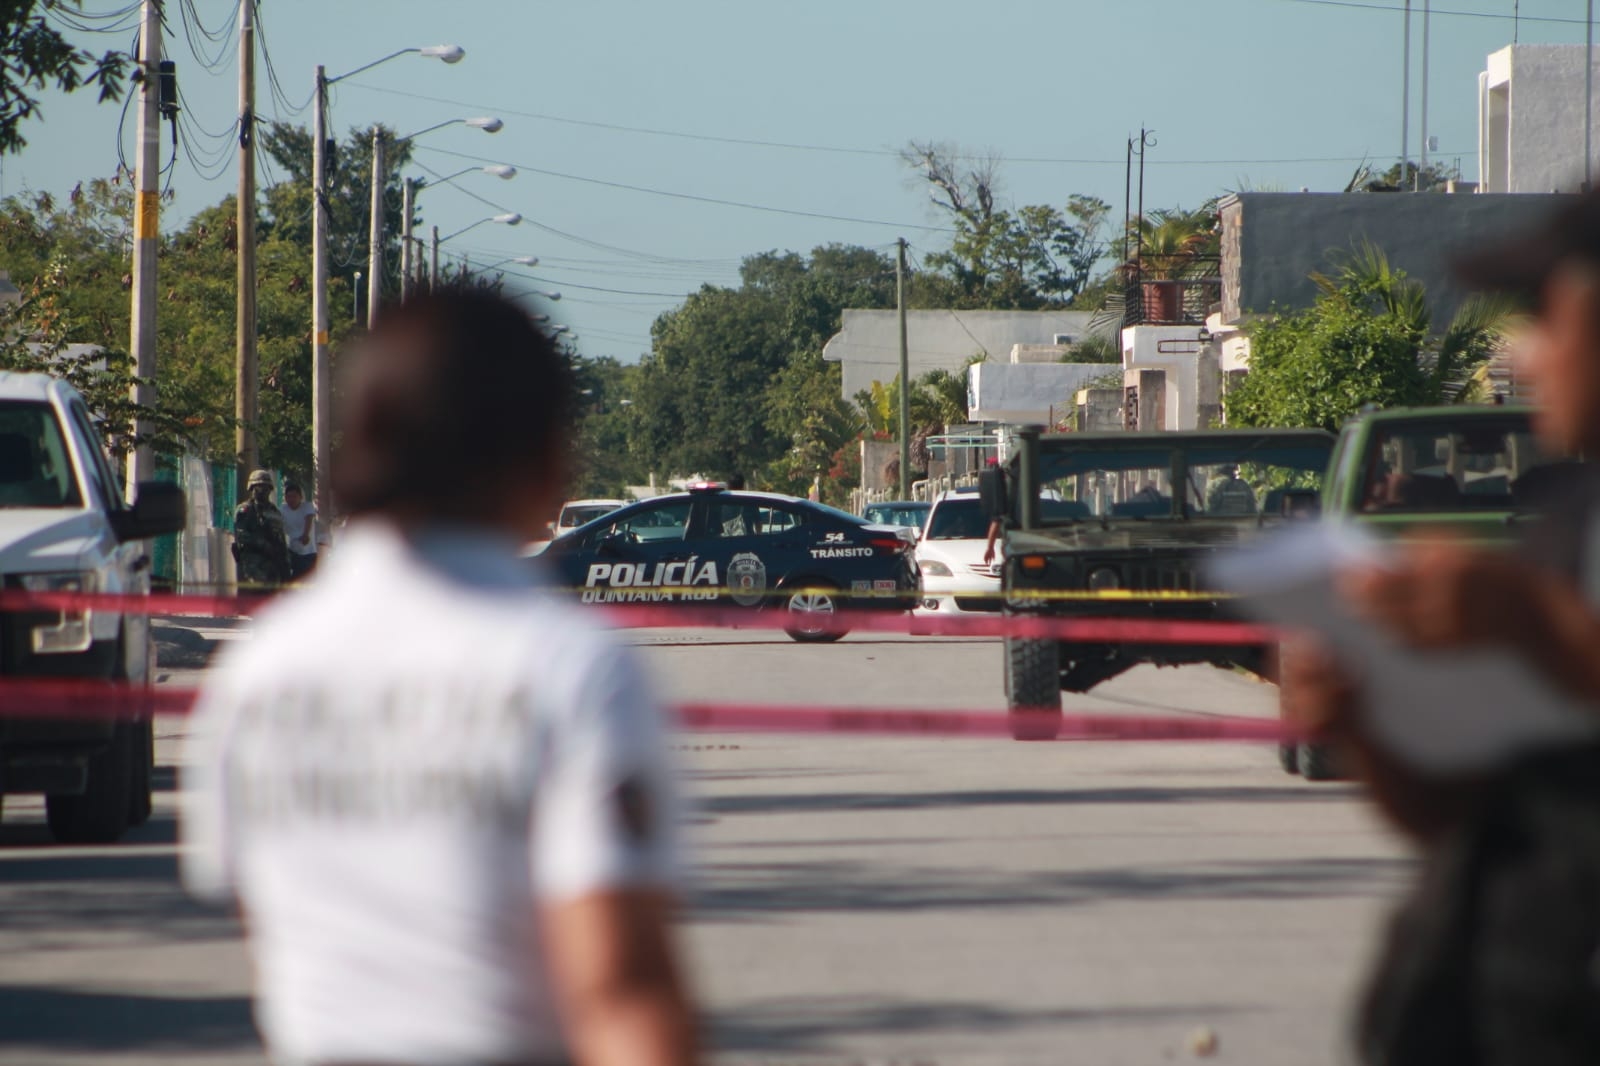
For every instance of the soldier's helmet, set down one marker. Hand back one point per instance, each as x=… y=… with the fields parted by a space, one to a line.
x=259 y=477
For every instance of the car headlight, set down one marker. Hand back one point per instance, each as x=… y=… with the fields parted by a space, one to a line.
x=934 y=568
x=1103 y=579
x=73 y=632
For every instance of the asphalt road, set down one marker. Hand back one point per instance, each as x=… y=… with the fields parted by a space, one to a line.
x=857 y=900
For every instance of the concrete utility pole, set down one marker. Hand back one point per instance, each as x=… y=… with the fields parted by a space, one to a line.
x=1588 y=97
x=1427 y=10
x=407 y=197
x=321 y=317
x=375 y=237
x=146 y=234
x=1405 y=98
x=905 y=370
x=246 y=384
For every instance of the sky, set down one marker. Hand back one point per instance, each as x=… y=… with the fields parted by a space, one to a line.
x=777 y=126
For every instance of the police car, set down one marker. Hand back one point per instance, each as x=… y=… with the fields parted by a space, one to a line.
x=755 y=550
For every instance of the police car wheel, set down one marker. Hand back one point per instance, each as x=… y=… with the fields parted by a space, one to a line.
x=811 y=612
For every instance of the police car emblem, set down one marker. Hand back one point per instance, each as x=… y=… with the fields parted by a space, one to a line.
x=747 y=579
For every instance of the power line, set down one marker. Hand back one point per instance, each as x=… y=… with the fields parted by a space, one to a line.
x=695 y=197
x=1366 y=5
x=845 y=150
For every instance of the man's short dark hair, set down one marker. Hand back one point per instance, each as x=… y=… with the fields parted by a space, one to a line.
x=293 y=486
x=454 y=398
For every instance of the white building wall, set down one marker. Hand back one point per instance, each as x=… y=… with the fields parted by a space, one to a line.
x=1176 y=351
x=868 y=347
x=1530 y=119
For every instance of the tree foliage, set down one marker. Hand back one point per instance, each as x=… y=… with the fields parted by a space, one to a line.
x=1028 y=257
x=1368 y=339
x=35 y=56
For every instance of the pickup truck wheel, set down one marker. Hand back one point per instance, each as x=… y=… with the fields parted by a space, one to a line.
x=811 y=612
x=99 y=815
x=1289 y=758
x=140 y=780
x=1318 y=762
x=1033 y=688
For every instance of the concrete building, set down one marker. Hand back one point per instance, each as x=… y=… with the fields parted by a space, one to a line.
x=1029 y=393
x=1530 y=119
x=868 y=347
x=1273 y=242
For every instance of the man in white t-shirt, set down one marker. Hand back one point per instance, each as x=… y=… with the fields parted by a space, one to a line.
x=300 y=530
x=437 y=791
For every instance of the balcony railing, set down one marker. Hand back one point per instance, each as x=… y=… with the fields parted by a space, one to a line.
x=1175 y=295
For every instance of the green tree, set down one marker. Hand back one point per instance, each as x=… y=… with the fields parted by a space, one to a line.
x=286 y=207
x=736 y=381
x=35 y=56
x=1026 y=257
x=1368 y=339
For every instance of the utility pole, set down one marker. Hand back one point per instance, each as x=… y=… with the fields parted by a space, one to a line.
x=245 y=388
x=905 y=370
x=407 y=198
x=321 y=319
x=433 y=265
x=1422 y=164
x=1588 y=97
x=375 y=237
x=1405 y=99
x=146 y=234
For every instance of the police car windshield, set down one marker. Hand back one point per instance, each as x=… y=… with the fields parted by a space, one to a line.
x=958 y=518
x=35 y=466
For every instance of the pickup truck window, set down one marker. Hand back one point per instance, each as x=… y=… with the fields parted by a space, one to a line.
x=102 y=483
x=1420 y=468
x=35 y=467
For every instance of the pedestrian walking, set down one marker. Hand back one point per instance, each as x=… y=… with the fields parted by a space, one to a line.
x=437 y=790
x=300 y=525
x=1495 y=958
x=260 y=544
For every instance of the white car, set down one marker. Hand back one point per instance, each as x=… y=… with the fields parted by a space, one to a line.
x=65 y=529
x=575 y=513
x=955 y=579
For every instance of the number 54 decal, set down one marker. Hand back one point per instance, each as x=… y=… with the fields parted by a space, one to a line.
x=833 y=538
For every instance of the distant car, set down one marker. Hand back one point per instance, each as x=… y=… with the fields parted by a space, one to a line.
x=751 y=550
x=909 y=515
x=955 y=579
x=575 y=513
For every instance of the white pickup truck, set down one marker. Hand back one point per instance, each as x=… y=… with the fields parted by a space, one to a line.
x=64 y=528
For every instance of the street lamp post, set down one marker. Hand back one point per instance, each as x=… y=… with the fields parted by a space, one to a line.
x=510 y=218
x=321 y=317
x=487 y=124
x=411 y=261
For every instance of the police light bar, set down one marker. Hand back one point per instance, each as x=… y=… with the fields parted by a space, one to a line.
x=708 y=486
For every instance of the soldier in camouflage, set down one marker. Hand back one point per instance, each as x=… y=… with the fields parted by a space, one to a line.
x=260 y=548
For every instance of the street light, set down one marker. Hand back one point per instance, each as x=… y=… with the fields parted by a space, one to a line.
x=520 y=260
x=321 y=365
x=510 y=218
x=411 y=260
x=487 y=124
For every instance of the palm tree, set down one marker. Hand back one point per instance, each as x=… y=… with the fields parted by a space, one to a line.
x=1456 y=359
x=1170 y=245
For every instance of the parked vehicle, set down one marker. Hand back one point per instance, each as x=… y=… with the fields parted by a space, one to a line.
x=752 y=550
x=955 y=577
x=1135 y=518
x=574 y=513
x=1470 y=471
x=64 y=528
x=909 y=515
